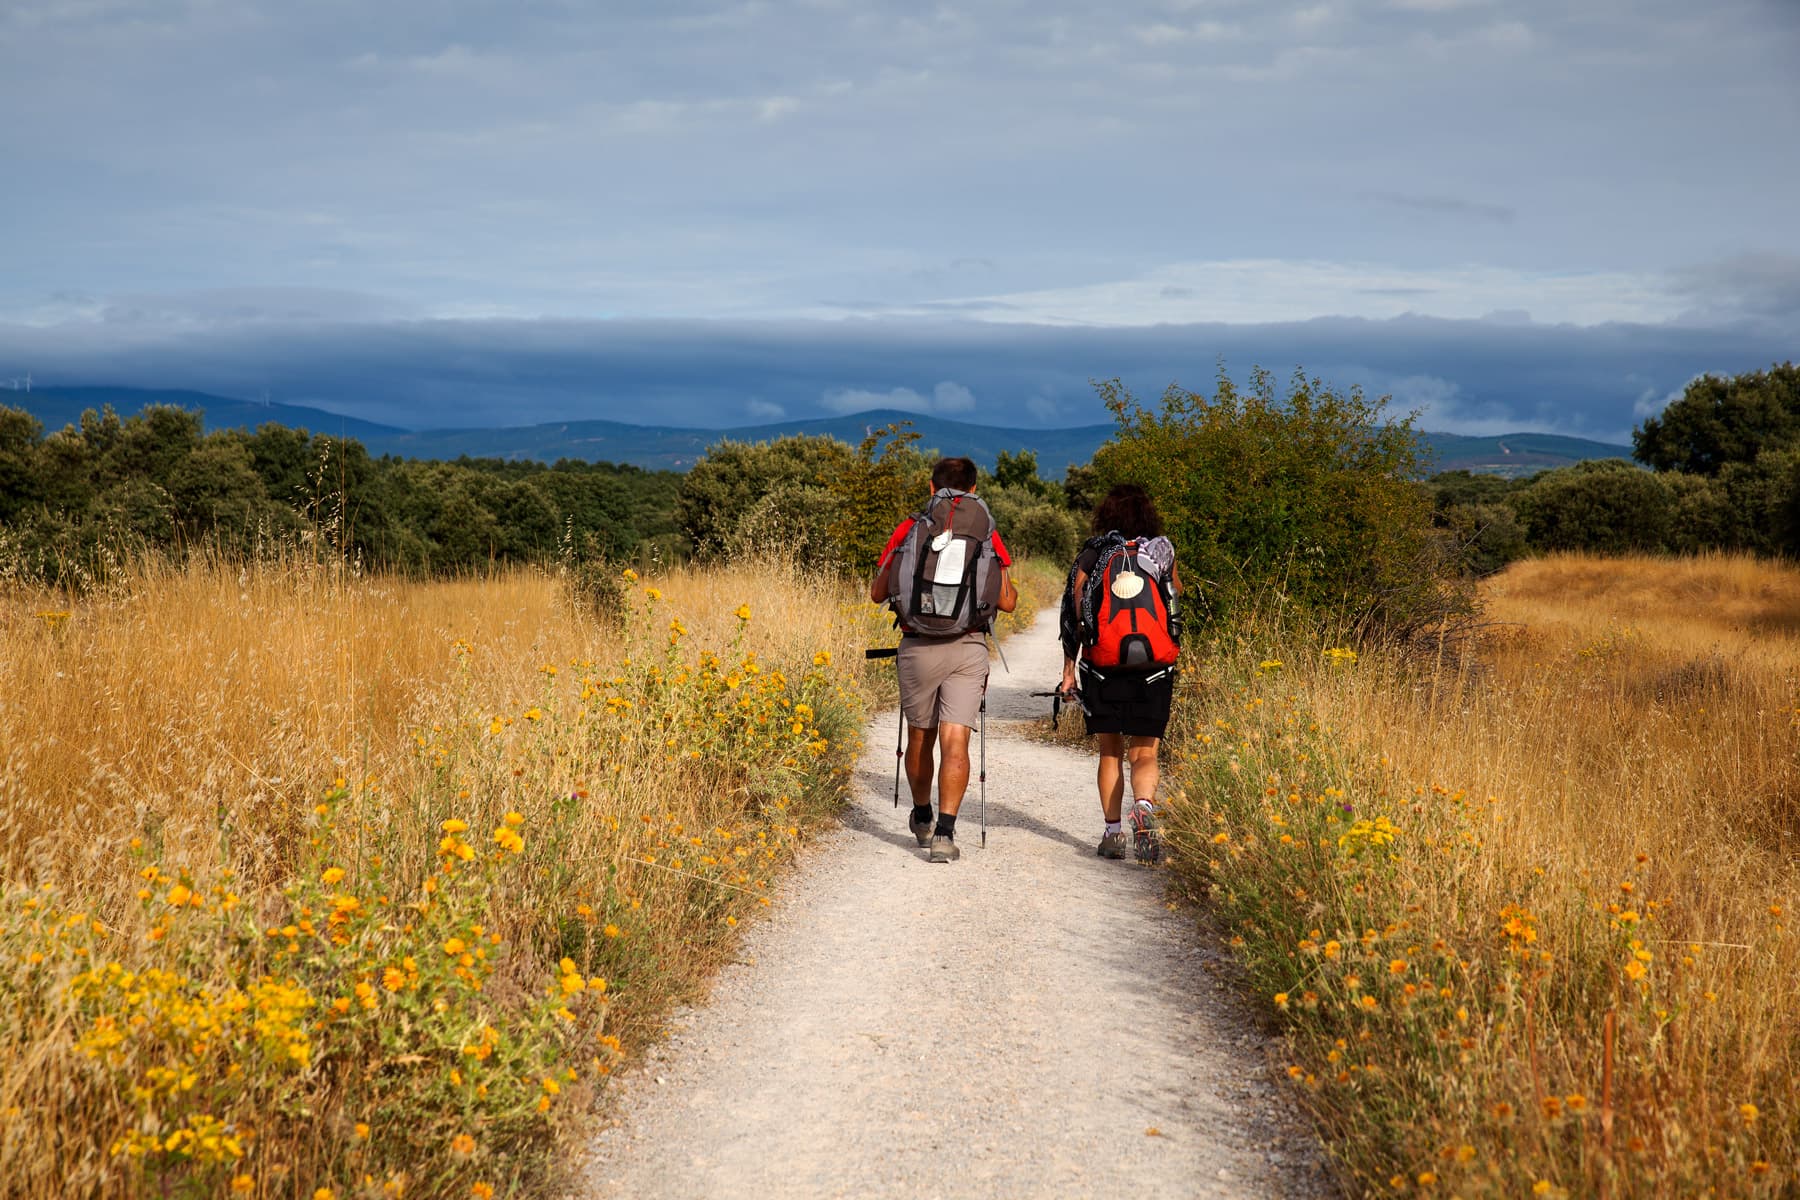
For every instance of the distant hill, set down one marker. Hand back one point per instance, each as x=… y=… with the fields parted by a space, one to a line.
x=1515 y=454
x=57 y=407
x=673 y=447
x=677 y=448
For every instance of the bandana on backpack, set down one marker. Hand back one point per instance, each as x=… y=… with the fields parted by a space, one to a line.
x=944 y=578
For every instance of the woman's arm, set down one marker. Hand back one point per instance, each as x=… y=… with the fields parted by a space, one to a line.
x=1075 y=588
x=1009 y=591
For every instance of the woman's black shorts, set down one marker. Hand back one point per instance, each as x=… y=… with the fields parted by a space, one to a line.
x=1123 y=702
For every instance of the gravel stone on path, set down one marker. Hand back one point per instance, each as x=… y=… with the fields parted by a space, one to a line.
x=1030 y=1021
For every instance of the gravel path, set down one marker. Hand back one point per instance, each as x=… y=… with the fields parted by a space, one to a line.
x=1030 y=1021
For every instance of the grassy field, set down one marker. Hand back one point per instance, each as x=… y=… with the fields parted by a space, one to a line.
x=1524 y=904
x=323 y=885
x=329 y=885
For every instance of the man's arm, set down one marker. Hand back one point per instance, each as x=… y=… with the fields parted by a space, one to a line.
x=1009 y=593
x=878 y=586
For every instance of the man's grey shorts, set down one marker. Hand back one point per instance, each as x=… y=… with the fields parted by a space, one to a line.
x=941 y=681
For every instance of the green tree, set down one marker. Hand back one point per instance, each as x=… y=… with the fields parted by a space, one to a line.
x=1308 y=495
x=20 y=433
x=732 y=477
x=1607 y=506
x=1020 y=472
x=215 y=491
x=1701 y=516
x=1044 y=531
x=884 y=480
x=1721 y=420
x=1762 y=495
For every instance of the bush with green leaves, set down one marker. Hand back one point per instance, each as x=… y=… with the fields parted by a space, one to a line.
x=1605 y=505
x=1306 y=494
x=885 y=479
x=726 y=486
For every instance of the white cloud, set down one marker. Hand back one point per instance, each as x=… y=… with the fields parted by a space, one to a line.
x=765 y=410
x=1312 y=17
x=851 y=400
x=948 y=397
x=774 y=108
x=1163 y=33
x=1433 y=6
x=952 y=397
x=1245 y=291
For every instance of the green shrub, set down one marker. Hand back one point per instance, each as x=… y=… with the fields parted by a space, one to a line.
x=726 y=485
x=1606 y=505
x=1310 y=494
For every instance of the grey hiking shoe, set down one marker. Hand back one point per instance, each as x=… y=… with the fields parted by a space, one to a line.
x=943 y=849
x=1145 y=843
x=1112 y=845
x=921 y=829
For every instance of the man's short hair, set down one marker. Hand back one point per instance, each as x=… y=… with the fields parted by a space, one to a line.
x=957 y=473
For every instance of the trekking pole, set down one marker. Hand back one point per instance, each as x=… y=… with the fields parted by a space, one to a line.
x=900 y=732
x=993 y=641
x=984 y=770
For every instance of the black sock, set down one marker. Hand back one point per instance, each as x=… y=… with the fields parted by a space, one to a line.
x=946 y=826
x=921 y=814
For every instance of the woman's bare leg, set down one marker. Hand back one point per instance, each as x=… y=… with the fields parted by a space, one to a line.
x=1111 y=775
x=1146 y=772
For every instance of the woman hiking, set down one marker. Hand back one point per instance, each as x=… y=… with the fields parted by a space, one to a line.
x=1120 y=627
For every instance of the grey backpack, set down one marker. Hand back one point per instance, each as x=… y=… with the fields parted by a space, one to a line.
x=945 y=577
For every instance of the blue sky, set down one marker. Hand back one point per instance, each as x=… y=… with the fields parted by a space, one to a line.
x=1508 y=213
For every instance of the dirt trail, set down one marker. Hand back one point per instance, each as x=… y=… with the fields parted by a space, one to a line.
x=1013 y=1024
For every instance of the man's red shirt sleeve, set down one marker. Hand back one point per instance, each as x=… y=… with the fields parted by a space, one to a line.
x=1000 y=551
x=894 y=542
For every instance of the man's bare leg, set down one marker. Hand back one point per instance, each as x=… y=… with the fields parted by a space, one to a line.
x=953 y=769
x=920 y=747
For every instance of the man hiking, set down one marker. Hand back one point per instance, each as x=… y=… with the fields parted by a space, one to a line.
x=944 y=573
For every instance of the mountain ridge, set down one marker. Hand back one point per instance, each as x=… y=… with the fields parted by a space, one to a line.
x=676 y=447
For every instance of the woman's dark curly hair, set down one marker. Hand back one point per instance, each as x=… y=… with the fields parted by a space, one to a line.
x=1128 y=509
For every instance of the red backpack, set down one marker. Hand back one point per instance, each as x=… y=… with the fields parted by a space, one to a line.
x=1127 y=612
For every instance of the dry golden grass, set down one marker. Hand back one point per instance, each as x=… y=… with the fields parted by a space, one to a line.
x=202 y=756
x=1526 y=905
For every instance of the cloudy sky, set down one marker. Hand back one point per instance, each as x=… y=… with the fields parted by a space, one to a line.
x=1541 y=214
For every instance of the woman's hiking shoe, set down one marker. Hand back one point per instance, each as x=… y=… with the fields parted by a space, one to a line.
x=921 y=827
x=1112 y=845
x=943 y=849
x=1145 y=845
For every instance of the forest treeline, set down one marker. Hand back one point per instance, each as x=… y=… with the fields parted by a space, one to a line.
x=1312 y=484
x=1724 y=474
x=155 y=481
